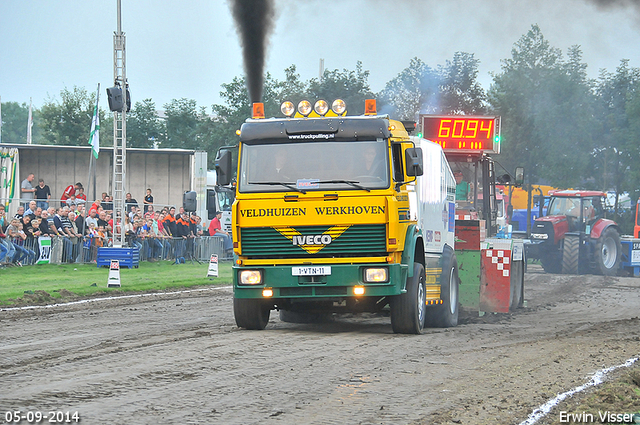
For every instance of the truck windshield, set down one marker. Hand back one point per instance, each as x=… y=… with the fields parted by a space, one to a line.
x=312 y=166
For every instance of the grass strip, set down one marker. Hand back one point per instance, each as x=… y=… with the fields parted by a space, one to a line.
x=54 y=283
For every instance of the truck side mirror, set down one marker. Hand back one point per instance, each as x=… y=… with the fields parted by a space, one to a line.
x=223 y=167
x=519 y=180
x=413 y=159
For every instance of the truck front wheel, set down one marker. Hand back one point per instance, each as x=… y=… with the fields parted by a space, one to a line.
x=408 y=309
x=251 y=313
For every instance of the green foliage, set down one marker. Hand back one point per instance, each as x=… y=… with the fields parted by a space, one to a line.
x=546 y=106
x=413 y=91
x=14 y=123
x=144 y=127
x=68 y=122
x=181 y=123
x=460 y=91
x=350 y=86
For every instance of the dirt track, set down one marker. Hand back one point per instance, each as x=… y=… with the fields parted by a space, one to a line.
x=181 y=359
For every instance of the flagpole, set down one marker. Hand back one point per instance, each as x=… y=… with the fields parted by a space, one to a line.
x=0 y=119
x=95 y=129
x=29 y=123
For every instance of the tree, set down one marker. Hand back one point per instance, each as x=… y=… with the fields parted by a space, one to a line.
x=68 y=122
x=14 y=123
x=415 y=90
x=350 y=86
x=546 y=112
x=460 y=91
x=182 y=123
x=617 y=153
x=144 y=127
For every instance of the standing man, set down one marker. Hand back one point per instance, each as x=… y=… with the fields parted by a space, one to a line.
x=43 y=194
x=130 y=202
x=27 y=190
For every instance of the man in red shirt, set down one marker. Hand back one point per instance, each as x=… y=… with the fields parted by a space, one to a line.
x=70 y=190
x=215 y=229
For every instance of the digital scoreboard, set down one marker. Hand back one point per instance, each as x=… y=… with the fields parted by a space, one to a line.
x=460 y=133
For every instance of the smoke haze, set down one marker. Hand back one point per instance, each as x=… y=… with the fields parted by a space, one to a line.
x=254 y=21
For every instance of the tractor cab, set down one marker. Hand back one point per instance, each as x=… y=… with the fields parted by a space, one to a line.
x=581 y=212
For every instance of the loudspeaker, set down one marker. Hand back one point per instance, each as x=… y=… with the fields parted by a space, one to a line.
x=114 y=95
x=189 y=202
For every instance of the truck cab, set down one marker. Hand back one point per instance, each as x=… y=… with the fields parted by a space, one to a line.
x=322 y=221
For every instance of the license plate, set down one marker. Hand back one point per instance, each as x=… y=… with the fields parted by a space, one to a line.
x=311 y=271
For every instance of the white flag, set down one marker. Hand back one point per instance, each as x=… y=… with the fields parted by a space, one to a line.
x=29 y=124
x=94 y=137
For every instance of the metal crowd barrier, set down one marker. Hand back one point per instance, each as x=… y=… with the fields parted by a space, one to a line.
x=60 y=250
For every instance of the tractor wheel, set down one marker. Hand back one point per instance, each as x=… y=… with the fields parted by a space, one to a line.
x=570 y=254
x=608 y=251
x=446 y=315
x=550 y=264
x=251 y=313
x=408 y=309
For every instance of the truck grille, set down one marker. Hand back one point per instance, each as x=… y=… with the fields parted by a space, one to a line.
x=356 y=240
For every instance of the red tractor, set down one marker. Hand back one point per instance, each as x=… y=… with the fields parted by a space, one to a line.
x=575 y=237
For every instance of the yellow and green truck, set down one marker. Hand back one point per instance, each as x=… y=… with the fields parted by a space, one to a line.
x=323 y=223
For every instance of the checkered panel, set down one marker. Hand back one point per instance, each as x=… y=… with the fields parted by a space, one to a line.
x=502 y=260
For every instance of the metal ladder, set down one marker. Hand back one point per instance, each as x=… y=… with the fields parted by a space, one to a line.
x=119 y=139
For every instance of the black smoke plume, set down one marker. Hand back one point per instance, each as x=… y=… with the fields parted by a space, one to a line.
x=616 y=3
x=254 y=23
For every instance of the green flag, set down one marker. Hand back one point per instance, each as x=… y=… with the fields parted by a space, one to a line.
x=94 y=138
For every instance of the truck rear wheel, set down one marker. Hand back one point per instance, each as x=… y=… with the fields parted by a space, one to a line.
x=251 y=313
x=408 y=309
x=446 y=315
x=570 y=254
x=608 y=251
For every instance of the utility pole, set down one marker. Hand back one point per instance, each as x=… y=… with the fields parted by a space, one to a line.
x=119 y=136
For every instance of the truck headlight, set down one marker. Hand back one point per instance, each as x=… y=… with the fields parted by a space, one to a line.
x=376 y=274
x=251 y=277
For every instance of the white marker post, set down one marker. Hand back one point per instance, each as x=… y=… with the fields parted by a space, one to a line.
x=114 y=274
x=213 y=266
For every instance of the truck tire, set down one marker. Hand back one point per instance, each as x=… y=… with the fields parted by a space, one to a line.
x=251 y=313
x=298 y=317
x=608 y=251
x=570 y=254
x=408 y=309
x=446 y=314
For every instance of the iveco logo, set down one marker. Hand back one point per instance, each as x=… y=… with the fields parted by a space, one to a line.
x=323 y=239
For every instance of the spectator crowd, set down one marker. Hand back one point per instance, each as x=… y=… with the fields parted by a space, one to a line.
x=81 y=228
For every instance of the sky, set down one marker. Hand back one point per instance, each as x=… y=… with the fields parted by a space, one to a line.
x=189 y=48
